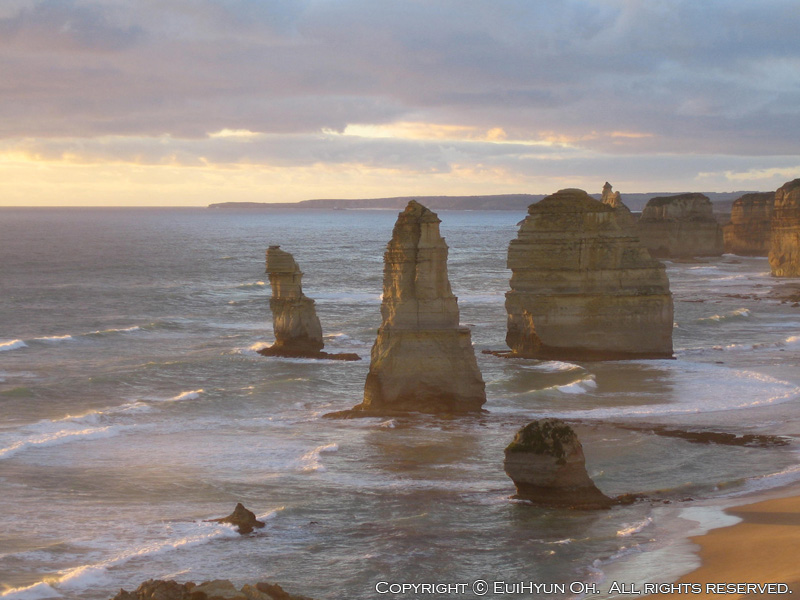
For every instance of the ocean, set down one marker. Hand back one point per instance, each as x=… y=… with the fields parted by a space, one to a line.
x=133 y=406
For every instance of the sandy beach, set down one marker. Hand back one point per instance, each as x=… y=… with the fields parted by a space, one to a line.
x=762 y=549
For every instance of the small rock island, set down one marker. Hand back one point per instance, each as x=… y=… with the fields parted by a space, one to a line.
x=546 y=463
x=583 y=287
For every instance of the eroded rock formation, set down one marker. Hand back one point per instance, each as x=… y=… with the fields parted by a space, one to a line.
x=244 y=520
x=546 y=463
x=583 y=287
x=748 y=233
x=156 y=589
x=422 y=359
x=784 y=253
x=613 y=199
x=681 y=226
x=298 y=333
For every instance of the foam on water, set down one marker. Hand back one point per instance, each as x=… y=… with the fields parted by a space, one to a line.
x=12 y=345
x=37 y=591
x=189 y=395
x=59 y=437
x=55 y=338
x=739 y=313
x=312 y=461
x=113 y=330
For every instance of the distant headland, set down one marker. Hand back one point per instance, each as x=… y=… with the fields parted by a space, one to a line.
x=519 y=202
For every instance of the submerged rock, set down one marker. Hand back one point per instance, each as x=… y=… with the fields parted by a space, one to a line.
x=298 y=333
x=422 y=359
x=219 y=589
x=546 y=463
x=784 y=254
x=748 y=233
x=583 y=287
x=244 y=520
x=681 y=226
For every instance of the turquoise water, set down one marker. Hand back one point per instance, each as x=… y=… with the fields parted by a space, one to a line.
x=133 y=406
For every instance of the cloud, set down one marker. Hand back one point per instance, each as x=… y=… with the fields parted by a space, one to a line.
x=449 y=84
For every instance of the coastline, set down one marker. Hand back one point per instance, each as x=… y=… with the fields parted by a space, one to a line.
x=761 y=548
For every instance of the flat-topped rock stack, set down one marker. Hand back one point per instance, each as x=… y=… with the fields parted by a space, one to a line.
x=422 y=359
x=584 y=288
x=749 y=231
x=784 y=253
x=681 y=226
x=298 y=332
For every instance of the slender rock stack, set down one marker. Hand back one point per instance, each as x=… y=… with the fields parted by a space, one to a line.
x=546 y=463
x=625 y=218
x=681 y=226
x=584 y=288
x=784 y=254
x=298 y=333
x=748 y=233
x=422 y=359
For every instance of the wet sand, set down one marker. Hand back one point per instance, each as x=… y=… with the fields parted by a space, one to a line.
x=763 y=549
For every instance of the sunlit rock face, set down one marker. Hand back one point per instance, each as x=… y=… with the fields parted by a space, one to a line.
x=748 y=233
x=613 y=199
x=584 y=288
x=422 y=359
x=297 y=329
x=547 y=465
x=681 y=226
x=784 y=254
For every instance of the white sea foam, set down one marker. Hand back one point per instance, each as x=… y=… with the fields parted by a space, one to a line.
x=56 y=438
x=37 y=591
x=120 y=330
x=736 y=314
x=190 y=395
x=255 y=284
x=578 y=387
x=628 y=529
x=252 y=349
x=54 y=338
x=311 y=461
x=12 y=345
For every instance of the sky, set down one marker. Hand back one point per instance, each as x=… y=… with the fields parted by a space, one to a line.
x=189 y=102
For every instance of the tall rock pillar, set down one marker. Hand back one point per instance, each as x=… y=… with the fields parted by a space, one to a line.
x=784 y=253
x=422 y=359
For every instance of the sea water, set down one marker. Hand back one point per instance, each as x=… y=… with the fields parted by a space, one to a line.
x=133 y=406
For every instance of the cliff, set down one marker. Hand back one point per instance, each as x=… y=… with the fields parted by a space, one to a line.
x=748 y=233
x=625 y=218
x=681 y=226
x=784 y=254
x=583 y=288
x=422 y=359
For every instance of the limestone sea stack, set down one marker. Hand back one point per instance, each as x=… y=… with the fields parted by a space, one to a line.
x=625 y=218
x=298 y=332
x=681 y=226
x=422 y=359
x=583 y=287
x=546 y=463
x=784 y=253
x=748 y=233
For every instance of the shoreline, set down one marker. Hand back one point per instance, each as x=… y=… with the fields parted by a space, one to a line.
x=761 y=548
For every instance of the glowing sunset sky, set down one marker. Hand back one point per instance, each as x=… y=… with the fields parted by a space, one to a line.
x=188 y=102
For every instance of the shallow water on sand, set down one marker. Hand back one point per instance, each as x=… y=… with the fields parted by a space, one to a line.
x=133 y=406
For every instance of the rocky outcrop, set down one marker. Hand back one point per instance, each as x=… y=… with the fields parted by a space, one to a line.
x=546 y=463
x=681 y=226
x=298 y=333
x=219 y=589
x=584 y=288
x=625 y=218
x=244 y=520
x=422 y=359
x=784 y=253
x=748 y=233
